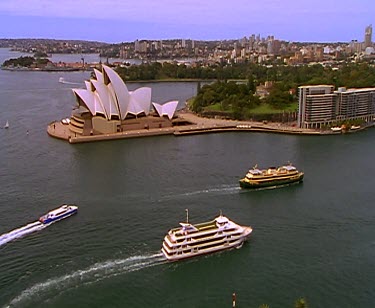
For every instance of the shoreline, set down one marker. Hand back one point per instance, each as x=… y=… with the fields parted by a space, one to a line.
x=198 y=125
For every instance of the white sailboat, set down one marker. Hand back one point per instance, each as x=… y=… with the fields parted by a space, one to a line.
x=6 y=125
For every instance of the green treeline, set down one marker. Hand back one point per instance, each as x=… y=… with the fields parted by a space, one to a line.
x=25 y=62
x=159 y=71
x=347 y=75
x=226 y=96
x=238 y=100
x=21 y=61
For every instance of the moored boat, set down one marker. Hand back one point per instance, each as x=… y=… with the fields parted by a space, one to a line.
x=257 y=178
x=62 y=212
x=65 y=121
x=336 y=129
x=355 y=127
x=191 y=240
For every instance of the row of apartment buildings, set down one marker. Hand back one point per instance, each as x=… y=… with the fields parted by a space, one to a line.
x=321 y=106
x=253 y=48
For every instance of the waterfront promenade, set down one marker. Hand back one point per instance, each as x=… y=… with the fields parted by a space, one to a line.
x=199 y=125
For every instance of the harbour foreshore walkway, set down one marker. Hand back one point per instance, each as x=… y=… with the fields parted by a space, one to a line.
x=199 y=125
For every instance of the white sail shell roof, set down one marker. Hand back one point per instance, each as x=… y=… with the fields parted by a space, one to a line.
x=108 y=95
x=142 y=97
x=167 y=109
x=89 y=86
x=91 y=102
x=106 y=99
x=98 y=75
x=120 y=90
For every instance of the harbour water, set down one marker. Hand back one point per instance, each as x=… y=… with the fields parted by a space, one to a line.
x=313 y=240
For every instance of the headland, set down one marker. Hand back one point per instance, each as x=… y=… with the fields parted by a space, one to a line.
x=193 y=125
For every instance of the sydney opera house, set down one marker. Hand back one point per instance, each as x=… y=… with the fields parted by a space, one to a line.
x=106 y=106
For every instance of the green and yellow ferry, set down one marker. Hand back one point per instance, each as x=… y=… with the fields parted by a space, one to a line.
x=256 y=178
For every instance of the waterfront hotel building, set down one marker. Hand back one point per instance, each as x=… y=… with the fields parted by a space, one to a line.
x=320 y=105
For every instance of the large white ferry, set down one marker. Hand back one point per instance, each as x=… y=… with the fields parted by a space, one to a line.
x=62 y=212
x=192 y=240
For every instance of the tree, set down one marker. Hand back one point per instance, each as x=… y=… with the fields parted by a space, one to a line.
x=278 y=98
x=251 y=84
x=21 y=61
x=40 y=54
x=300 y=303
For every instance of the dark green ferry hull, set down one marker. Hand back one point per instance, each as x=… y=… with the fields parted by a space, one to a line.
x=272 y=182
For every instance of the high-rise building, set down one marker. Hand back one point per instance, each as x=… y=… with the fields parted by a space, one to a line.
x=143 y=46
x=355 y=46
x=316 y=106
x=368 y=36
x=136 y=46
x=321 y=105
x=355 y=103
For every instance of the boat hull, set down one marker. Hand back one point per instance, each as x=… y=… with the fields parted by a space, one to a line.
x=65 y=215
x=246 y=183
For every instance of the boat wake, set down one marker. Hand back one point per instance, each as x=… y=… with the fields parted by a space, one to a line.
x=20 y=232
x=223 y=190
x=271 y=187
x=62 y=80
x=90 y=275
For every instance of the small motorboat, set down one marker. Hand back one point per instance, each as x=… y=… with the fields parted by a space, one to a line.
x=62 y=212
x=336 y=129
x=65 y=121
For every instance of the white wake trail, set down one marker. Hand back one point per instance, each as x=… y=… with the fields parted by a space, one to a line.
x=223 y=190
x=92 y=274
x=20 y=232
x=62 y=80
x=220 y=190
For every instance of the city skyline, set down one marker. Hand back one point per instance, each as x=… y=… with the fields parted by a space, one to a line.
x=114 y=21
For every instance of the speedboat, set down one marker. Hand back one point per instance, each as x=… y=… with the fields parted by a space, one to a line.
x=62 y=212
x=256 y=178
x=190 y=240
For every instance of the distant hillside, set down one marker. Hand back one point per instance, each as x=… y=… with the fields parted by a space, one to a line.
x=10 y=43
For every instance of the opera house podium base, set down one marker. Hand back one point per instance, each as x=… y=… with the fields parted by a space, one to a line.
x=62 y=131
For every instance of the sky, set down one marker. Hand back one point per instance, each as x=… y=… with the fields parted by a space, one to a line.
x=116 y=21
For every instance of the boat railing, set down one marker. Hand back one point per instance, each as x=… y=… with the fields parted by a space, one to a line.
x=282 y=170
